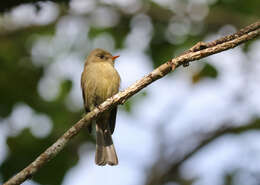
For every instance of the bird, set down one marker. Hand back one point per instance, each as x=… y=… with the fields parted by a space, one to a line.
x=99 y=81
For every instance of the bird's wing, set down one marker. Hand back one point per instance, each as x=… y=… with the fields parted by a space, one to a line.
x=83 y=94
x=112 y=119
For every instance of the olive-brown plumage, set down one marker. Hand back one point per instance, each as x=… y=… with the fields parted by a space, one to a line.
x=99 y=81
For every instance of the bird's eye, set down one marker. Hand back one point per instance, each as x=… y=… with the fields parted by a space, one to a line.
x=101 y=56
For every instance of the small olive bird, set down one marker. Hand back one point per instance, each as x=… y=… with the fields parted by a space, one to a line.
x=99 y=81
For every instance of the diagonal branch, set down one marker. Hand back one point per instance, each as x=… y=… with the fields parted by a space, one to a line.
x=199 y=51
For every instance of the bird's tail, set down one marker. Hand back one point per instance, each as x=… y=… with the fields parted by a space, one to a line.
x=105 y=150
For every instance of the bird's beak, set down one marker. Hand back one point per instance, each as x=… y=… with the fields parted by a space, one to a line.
x=114 y=57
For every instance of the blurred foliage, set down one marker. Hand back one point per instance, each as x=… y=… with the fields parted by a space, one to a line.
x=7 y=5
x=138 y=97
x=119 y=34
x=207 y=71
x=19 y=77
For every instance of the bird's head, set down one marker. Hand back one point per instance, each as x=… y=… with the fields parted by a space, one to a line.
x=100 y=55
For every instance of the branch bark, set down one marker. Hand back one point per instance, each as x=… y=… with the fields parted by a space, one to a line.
x=199 y=51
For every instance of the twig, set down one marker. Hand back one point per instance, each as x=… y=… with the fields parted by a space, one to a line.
x=225 y=43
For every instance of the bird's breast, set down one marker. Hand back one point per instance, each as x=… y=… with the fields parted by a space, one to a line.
x=103 y=80
x=106 y=73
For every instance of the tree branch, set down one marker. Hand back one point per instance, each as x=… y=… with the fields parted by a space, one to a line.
x=171 y=173
x=199 y=51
